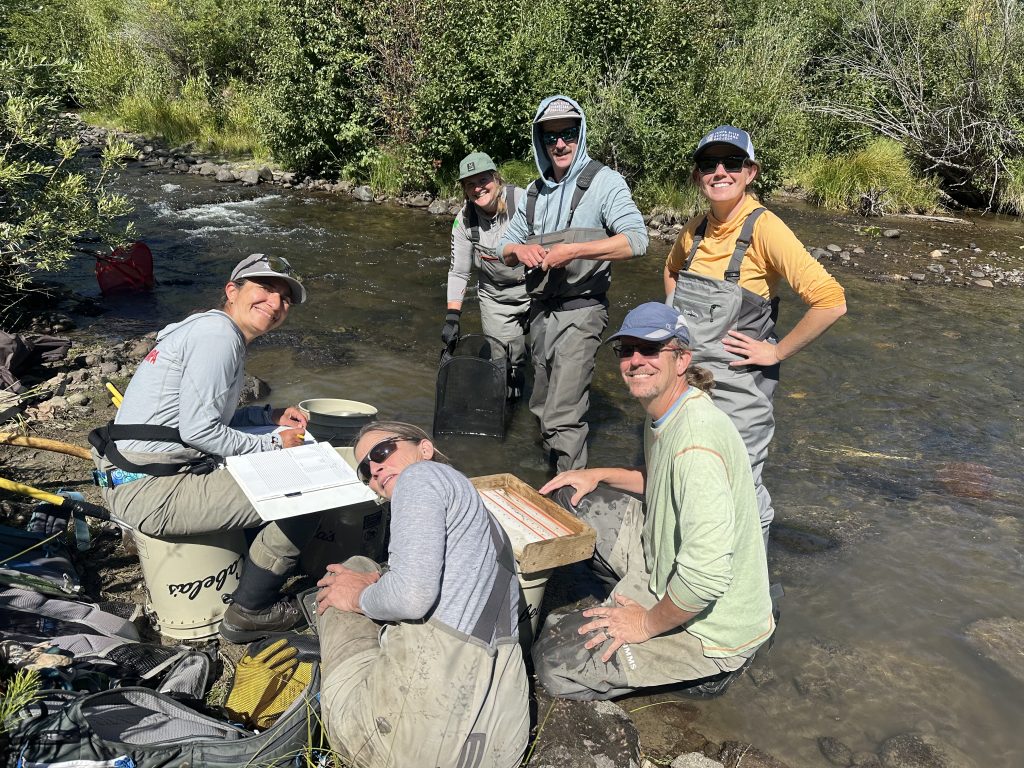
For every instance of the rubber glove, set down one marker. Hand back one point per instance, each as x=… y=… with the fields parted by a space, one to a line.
x=260 y=680
x=48 y=519
x=450 y=331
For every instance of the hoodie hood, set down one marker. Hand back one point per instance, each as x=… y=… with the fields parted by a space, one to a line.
x=540 y=155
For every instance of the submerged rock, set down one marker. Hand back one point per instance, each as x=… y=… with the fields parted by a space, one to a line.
x=916 y=750
x=835 y=751
x=736 y=754
x=999 y=641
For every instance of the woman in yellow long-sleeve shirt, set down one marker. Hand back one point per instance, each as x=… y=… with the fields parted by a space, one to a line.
x=723 y=273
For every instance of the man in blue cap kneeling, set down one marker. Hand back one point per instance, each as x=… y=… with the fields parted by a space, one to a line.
x=690 y=604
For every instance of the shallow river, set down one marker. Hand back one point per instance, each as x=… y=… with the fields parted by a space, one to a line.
x=895 y=470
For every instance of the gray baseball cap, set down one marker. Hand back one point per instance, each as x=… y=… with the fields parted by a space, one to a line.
x=262 y=265
x=475 y=163
x=727 y=134
x=559 y=109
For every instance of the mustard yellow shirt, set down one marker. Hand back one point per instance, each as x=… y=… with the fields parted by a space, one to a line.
x=775 y=253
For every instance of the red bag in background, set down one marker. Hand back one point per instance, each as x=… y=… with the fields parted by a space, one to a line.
x=129 y=268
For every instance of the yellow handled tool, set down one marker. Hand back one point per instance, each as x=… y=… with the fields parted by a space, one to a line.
x=72 y=505
x=115 y=395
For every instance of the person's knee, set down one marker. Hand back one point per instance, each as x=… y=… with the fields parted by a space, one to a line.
x=362 y=564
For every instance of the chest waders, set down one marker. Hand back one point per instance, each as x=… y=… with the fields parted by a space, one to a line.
x=495 y=277
x=504 y=303
x=567 y=317
x=746 y=393
x=434 y=696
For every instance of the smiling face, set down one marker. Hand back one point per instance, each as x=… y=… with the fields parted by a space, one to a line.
x=656 y=380
x=384 y=474
x=560 y=153
x=482 y=189
x=258 y=305
x=724 y=190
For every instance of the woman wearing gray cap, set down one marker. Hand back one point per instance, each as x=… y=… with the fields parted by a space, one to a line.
x=478 y=227
x=157 y=461
x=723 y=274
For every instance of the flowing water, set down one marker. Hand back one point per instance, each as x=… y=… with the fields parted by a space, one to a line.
x=895 y=469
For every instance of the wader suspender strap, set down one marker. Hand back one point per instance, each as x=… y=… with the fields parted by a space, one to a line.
x=732 y=274
x=487 y=627
x=473 y=223
x=583 y=182
x=102 y=439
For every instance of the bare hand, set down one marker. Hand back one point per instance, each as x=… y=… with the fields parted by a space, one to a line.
x=528 y=255
x=291 y=437
x=583 y=480
x=288 y=417
x=558 y=256
x=341 y=588
x=752 y=351
x=622 y=625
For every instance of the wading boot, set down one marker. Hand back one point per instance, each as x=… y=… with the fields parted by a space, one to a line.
x=258 y=608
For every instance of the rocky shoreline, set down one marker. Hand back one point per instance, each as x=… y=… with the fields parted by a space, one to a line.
x=877 y=257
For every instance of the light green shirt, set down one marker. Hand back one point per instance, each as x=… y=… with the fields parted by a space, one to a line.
x=702 y=534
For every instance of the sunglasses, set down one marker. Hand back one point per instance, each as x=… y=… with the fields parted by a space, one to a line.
x=277 y=263
x=624 y=351
x=378 y=454
x=568 y=135
x=731 y=163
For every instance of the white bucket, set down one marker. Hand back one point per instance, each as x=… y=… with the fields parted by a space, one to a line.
x=355 y=529
x=190 y=579
x=533 y=586
x=336 y=421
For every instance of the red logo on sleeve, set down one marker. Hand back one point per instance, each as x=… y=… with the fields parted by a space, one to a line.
x=151 y=357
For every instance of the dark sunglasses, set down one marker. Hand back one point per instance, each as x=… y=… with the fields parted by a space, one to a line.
x=731 y=163
x=277 y=263
x=625 y=351
x=568 y=135
x=378 y=454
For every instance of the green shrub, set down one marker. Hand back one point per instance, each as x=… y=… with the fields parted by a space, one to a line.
x=518 y=172
x=875 y=180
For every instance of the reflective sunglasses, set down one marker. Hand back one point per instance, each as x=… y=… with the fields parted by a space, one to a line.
x=624 y=351
x=277 y=263
x=568 y=135
x=378 y=454
x=731 y=163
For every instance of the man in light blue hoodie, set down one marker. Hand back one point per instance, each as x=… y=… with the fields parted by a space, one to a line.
x=576 y=219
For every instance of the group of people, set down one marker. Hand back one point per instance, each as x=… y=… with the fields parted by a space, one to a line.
x=421 y=657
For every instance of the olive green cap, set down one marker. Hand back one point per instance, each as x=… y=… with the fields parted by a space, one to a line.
x=475 y=163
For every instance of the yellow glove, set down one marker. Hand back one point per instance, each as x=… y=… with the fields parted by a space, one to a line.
x=259 y=682
x=298 y=682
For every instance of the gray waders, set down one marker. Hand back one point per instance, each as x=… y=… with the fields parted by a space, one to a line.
x=422 y=693
x=713 y=307
x=568 y=315
x=504 y=302
x=567 y=669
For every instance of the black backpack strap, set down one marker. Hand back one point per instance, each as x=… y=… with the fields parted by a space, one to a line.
x=496 y=618
x=472 y=223
x=732 y=274
x=698 y=236
x=531 y=204
x=102 y=439
x=583 y=182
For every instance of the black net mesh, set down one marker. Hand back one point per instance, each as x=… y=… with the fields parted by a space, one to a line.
x=472 y=388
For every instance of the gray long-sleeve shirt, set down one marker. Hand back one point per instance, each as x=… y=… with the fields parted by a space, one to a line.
x=442 y=562
x=192 y=381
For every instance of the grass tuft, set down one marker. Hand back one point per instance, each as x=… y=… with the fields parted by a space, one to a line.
x=875 y=180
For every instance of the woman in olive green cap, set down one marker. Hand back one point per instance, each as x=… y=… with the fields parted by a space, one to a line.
x=504 y=304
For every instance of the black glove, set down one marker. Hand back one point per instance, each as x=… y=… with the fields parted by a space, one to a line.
x=48 y=519
x=450 y=332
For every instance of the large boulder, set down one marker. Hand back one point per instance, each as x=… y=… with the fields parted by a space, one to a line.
x=363 y=194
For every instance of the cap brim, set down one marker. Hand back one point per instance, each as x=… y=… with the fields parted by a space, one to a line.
x=552 y=118
x=298 y=290
x=652 y=334
x=709 y=145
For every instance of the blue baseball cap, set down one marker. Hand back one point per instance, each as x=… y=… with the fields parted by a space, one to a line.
x=727 y=134
x=654 y=321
